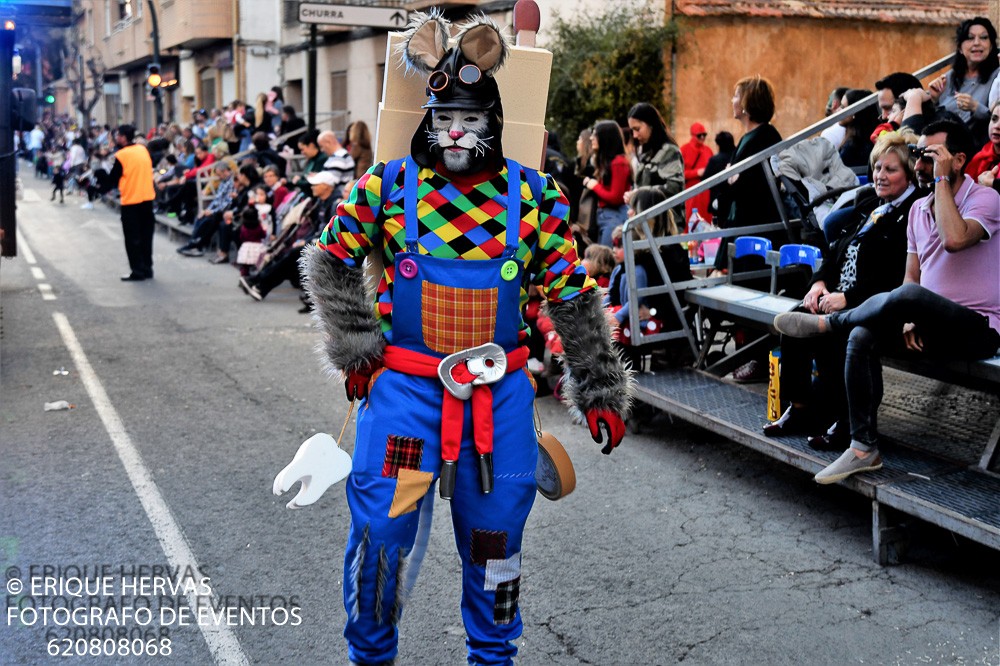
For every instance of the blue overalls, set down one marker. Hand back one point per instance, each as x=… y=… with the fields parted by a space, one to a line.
x=398 y=453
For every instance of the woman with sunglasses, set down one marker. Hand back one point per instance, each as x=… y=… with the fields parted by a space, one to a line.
x=696 y=156
x=612 y=178
x=868 y=258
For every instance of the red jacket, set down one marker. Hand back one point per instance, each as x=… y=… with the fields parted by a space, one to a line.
x=983 y=161
x=278 y=196
x=695 y=157
x=192 y=172
x=621 y=177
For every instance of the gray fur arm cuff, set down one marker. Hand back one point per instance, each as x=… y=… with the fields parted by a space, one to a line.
x=596 y=374
x=343 y=310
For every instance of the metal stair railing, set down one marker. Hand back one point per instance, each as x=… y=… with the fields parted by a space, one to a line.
x=630 y=245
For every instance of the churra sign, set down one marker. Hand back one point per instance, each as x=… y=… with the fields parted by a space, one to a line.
x=354 y=15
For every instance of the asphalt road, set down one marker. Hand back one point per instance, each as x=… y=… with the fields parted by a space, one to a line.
x=189 y=397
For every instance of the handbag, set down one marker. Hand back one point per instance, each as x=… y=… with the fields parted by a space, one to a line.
x=586 y=219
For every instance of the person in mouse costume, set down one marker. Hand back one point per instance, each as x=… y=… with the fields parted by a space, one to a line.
x=437 y=360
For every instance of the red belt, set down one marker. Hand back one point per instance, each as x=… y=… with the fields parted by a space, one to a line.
x=465 y=374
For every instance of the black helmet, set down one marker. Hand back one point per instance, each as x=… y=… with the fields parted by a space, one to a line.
x=457 y=83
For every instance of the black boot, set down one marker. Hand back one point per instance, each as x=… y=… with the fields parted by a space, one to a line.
x=795 y=421
x=836 y=438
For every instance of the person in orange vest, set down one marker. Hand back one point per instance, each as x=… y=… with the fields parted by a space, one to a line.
x=133 y=173
x=696 y=155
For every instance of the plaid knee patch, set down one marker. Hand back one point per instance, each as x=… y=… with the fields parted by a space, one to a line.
x=505 y=606
x=487 y=545
x=402 y=453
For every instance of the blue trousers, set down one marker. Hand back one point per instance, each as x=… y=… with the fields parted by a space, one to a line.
x=397 y=458
x=607 y=219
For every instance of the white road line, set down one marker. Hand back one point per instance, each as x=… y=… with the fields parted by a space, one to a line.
x=22 y=245
x=221 y=640
x=46 y=289
x=37 y=273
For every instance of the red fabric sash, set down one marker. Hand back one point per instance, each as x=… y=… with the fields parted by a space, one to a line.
x=452 y=409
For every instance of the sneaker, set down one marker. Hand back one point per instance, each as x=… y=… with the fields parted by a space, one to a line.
x=87 y=206
x=250 y=290
x=801 y=324
x=751 y=372
x=219 y=259
x=191 y=252
x=848 y=464
x=171 y=214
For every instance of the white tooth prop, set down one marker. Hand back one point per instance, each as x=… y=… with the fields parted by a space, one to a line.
x=318 y=464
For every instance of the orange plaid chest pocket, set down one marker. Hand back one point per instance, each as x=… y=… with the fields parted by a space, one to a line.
x=454 y=318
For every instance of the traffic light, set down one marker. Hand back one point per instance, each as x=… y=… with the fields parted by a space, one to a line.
x=153 y=78
x=49 y=96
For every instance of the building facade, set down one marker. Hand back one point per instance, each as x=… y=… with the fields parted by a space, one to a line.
x=195 y=42
x=805 y=49
x=229 y=50
x=224 y=50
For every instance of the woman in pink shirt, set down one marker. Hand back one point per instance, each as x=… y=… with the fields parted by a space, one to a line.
x=613 y=178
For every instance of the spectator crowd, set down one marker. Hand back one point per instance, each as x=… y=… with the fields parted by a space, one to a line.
x=256 y=186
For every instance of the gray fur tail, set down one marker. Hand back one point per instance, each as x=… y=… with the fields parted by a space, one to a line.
x=343 y=310
x=596 y=376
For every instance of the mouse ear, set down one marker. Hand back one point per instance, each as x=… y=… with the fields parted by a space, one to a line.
x=425 y=41
x=483 y=43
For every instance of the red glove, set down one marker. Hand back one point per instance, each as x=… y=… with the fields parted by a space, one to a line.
x=605 y=422
x=357 y=381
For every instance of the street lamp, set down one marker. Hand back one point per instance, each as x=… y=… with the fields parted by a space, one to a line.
x=153 y=77
x=154 y=68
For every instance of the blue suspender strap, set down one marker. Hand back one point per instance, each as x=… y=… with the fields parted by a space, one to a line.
x=513 y=206
x=389 y=174
x=410 y=204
